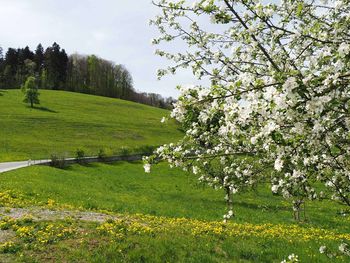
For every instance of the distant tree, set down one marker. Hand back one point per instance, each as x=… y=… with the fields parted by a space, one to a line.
x=43 y=79
x=24 y=54
x=29 y=67
x=11 y=59
x=31 y=92
x=56 y=62
x=1 y=58
x=10 y=68
x=24 y=65
x=1 y=67
x=62 y=69
x=126 y=83
x=94 y=75
x=39 y=59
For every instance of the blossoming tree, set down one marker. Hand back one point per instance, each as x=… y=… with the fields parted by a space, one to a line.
x=279 y=95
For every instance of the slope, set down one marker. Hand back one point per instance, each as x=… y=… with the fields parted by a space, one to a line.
x=66 y=121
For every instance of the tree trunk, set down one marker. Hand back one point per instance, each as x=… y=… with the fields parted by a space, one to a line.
x=229 y=202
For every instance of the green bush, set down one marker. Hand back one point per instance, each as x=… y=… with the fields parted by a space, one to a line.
x=58 y=161
x=124 y=151
x=145 y=149
x=80 y=156
x=102 y=155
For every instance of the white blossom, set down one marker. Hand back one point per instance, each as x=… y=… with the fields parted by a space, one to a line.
x=147 y=168
x=195 y=169
x=322 y=249
x=278 y=164
x=344 y=49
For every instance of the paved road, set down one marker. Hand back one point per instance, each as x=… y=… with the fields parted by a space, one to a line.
x=9 y=166
x=5 y=167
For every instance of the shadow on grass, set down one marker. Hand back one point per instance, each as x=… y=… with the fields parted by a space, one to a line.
x=42 y=109
x=72 y=166
x=271 y=208
x=88 y=165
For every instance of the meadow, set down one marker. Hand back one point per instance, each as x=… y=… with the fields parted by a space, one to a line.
x=66 y=121
x=165 y=216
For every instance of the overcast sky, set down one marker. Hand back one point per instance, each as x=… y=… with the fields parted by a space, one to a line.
x=116 y=30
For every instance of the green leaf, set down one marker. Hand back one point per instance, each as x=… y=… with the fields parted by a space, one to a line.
x=299 y=9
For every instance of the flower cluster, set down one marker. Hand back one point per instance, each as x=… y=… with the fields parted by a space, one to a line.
x=14 y=199
x=9 y=247
x=34 y=232
x=279 y=96
x=151 y=225
x=120 y=228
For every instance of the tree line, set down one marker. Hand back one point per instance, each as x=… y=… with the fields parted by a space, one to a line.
x=54 y=69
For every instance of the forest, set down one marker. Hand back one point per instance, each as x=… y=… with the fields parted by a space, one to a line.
x=54 y=69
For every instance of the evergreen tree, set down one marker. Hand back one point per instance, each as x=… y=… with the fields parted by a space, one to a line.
x=1 y=55
x=62 y=68
x=25 y=64
x=10 y=68
x=56 y=61
x=39 y=59
x=1 y=68
x=24 y=54
x=11 y=59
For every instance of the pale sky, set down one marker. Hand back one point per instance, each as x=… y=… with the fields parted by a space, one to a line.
x=115 y=30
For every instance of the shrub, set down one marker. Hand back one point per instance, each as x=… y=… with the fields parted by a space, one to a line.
x=102 y=155
x=58 y=161
x=80 y=156
x=145 y=149
x=124 y=151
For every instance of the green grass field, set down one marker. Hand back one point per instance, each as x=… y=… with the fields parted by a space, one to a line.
x=124 y=189
x=66 y=121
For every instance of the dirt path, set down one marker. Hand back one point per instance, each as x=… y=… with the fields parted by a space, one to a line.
x=41 y=214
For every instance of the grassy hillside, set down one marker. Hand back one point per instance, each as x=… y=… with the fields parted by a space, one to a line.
x=185 y=225
x=66 y=121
